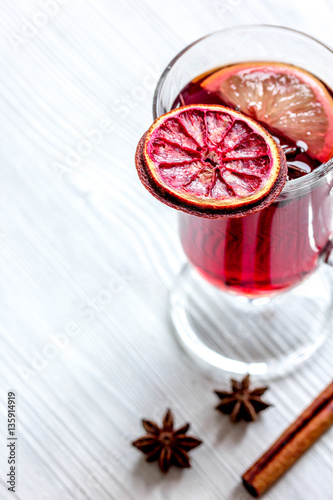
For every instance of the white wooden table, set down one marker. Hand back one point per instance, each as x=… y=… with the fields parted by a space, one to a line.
x=88 y=258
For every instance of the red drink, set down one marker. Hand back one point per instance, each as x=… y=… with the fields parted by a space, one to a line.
x=263 y=252
x=272 y=249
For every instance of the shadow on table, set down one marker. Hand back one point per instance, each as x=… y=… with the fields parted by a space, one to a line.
x=151 y=475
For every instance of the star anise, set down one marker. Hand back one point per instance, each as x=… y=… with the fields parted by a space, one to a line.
x=165 y=444
x=242 y=403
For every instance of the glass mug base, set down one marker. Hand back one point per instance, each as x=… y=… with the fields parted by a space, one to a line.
x=271 y=335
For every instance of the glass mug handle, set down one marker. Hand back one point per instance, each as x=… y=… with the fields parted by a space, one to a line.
x=328 y=252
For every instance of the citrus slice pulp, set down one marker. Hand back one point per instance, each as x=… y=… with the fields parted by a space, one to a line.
x=287 y=99
x=212 y=161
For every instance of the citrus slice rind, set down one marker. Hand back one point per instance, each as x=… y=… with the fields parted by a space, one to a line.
x=211 y=161
x=287 y=99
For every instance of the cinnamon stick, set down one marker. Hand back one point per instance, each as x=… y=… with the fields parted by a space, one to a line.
x=295 y=440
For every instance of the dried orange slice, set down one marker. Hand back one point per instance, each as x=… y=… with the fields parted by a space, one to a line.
x=287 y=99
x=212 y=161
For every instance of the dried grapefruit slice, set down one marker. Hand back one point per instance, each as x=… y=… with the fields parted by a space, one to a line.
x=211 y=161
x=287 y=99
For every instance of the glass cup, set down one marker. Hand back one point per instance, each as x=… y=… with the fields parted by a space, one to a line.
x=254 y=297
